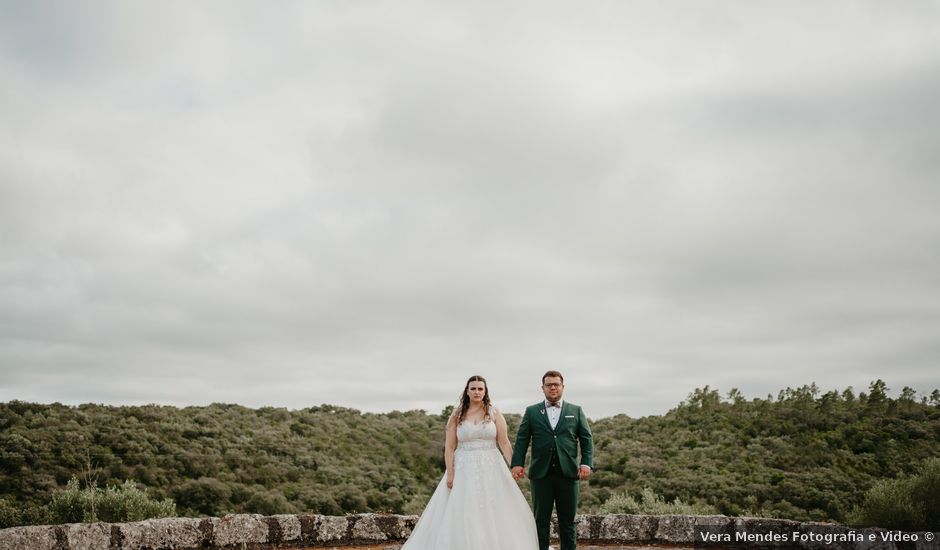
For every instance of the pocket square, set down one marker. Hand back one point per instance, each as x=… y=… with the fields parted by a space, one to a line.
x=569 y=416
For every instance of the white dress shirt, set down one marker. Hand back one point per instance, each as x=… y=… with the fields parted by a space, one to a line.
x=554 y=413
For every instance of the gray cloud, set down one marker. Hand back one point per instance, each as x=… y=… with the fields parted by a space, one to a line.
x=315 y=203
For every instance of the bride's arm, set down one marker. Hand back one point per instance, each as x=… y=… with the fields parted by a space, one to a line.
x=450 y=444
x=502 y=437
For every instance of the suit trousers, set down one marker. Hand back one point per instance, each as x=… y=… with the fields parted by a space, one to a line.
x=559 y=492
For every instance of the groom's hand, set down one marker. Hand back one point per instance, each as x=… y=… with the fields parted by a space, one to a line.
x=584 y=472
x=517 y=472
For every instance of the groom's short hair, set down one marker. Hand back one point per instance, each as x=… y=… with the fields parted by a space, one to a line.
x=553 y=374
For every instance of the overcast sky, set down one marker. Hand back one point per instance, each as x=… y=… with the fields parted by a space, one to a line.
x=364 y=203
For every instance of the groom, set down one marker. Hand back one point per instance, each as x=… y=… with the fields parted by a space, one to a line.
x=555 y=428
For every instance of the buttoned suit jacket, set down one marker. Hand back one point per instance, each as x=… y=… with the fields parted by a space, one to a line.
x=571 y=431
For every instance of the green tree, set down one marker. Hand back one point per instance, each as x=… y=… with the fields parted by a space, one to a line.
x=877 y=392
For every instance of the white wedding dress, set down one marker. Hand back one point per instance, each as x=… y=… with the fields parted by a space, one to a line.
x=484 y=510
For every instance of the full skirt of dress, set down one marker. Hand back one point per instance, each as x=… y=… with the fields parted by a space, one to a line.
x=484 y=510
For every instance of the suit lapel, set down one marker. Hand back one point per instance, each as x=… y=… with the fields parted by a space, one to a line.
x=544 y=414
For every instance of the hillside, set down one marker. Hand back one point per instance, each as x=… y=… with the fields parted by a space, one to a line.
x=802 y=455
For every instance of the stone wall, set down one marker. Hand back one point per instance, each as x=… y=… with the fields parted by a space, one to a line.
x=313 y=531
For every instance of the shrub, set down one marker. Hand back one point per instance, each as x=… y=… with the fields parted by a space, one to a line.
x=68 y=505
x=317 y=500
x=127 y=502
x=205 y=495
x=267 y=503
x=651 y=504
x=9 y=514
x=907 y=503
x=887 y=504
x=926 y=493
x=119 y=503
x=35 y=515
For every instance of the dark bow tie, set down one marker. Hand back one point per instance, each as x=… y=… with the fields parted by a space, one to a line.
x=554 y=404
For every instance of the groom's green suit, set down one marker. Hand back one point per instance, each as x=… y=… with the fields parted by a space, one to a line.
x=553 y=469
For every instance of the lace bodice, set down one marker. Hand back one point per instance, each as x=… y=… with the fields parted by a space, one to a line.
x=476 y=437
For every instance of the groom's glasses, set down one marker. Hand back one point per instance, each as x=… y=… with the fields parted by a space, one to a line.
x=553 y=385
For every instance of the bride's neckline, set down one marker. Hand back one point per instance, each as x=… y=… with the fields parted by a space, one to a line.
x=472 y=423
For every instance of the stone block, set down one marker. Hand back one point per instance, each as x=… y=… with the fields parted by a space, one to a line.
x=764 y=532
x=824 y=536
x=160 y=534
x=40 y=537
x=363 y=527
x=713 y=530
x=396 y=527
x=927 y=541
x=239 y=529
x=627 y=528
x=873 y=543
x=329 y=529
x=88 y=536
x=584 y=527
x=675 y=529
x=286 y=526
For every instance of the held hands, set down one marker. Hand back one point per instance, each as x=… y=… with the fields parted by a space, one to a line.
x=583 y=472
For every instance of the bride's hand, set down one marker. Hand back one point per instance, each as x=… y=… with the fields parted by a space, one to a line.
x=450 y=481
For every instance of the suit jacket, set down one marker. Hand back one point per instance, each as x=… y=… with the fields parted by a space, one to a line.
x=572 y=429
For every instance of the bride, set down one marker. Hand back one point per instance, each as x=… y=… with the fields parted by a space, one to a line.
x=477 y=504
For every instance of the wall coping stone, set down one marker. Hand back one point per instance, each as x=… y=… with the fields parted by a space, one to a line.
x=256 y=532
